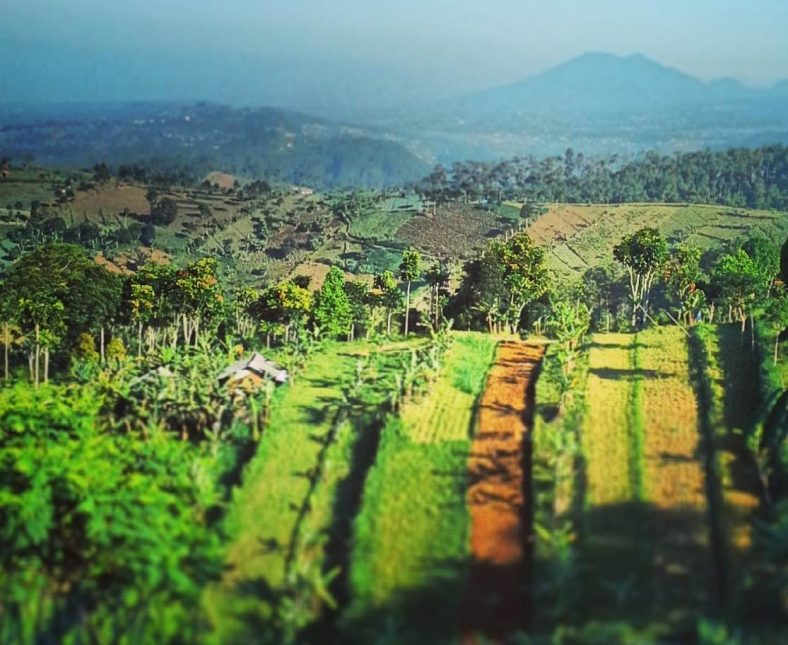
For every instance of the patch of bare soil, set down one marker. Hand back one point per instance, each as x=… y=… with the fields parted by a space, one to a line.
x=495 y=602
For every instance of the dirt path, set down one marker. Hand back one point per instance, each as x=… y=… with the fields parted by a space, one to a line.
x=495 y=600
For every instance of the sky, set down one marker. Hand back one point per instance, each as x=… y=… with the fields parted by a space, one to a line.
x=319 y=54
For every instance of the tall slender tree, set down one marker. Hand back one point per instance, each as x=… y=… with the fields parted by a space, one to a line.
x=409 y=271
x=643 y=254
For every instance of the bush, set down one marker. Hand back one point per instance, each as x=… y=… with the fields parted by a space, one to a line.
x=85 y=349
x=164 y=212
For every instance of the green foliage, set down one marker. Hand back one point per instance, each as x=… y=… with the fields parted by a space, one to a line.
x=116 y=350
x=56 y=292
x=410 y=267
x=569 y=323
x=389 y=296
x=510 y=276
x=643 y=254
x=332 y=311
x=751 y=178
x=164 y=211
x=738 y=280
x=100 y=526
x=85 y=349
x=682 y=275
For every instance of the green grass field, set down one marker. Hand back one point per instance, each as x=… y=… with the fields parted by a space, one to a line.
x=379 y=225
x=271 y=519
x=410 y=550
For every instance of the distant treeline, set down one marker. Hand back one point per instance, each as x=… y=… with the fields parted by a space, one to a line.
x=753 y=178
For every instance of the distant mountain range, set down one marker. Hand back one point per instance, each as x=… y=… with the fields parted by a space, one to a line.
x=597 y=103
x=599 y=83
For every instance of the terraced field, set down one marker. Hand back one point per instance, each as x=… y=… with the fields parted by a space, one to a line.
x=583 y=236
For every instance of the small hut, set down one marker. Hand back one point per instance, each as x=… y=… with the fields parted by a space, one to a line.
x=252 y=371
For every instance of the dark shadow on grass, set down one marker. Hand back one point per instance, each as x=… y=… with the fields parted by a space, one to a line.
x=626 y=374
x=347 y=504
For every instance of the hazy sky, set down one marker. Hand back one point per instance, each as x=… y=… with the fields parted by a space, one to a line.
x=317 y=53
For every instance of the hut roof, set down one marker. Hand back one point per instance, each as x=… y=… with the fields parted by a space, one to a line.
x=256 y=365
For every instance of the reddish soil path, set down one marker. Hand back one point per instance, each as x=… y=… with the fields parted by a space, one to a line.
x=495 y=600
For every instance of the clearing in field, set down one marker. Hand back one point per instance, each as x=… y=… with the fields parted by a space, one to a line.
x=495 y=602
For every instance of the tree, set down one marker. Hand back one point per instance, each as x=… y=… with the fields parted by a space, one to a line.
x=438 y=278
x=331 y=311
x=198 y=297
x=682 y=275
x=508 y=277
x=7 y=318
x=390 y=296
x=776 y=315
x=149 y=299
x=765 y=256
x=148 y=234
x=524 y=275
x=286 y=305
x=101 y=173
x=59 y=292
x=738 y=280
x=409 y=270
x=164 y=211
x=347 y=208
x=643 y=254
x=569 y=322
x=358 y=295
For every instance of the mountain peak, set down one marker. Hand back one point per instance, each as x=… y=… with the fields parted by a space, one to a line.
x=603 y=83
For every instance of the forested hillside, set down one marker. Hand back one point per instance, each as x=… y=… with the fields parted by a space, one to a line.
x=755 y=178
x=198 y=138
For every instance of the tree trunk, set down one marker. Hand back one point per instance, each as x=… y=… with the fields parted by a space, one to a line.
x=407 y=308
x=388 y=322
x=38 y=354
x=6 y=343
x=101 y=343
x=752 y=332
x=139 y=339
x=46 y=364
x=776 y=346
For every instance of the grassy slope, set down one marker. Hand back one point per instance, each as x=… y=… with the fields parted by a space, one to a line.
x=411 y=538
